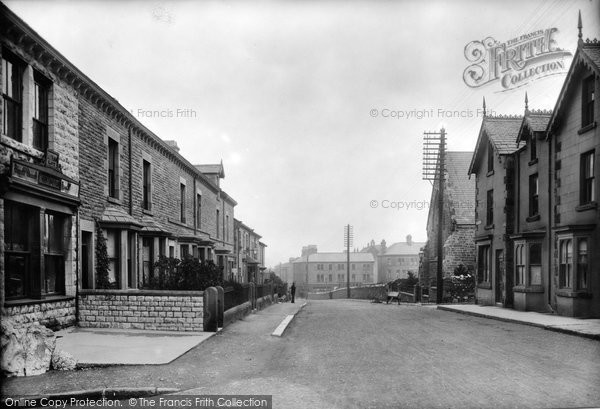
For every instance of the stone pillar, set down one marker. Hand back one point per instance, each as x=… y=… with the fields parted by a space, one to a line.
x=220 y=306
x=252 y=293
x=210 y=309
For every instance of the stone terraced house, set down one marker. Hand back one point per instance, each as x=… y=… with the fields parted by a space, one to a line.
x=537 y=215
x=73 y=163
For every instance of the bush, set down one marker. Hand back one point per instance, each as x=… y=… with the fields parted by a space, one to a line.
x=461 y=286
x=188 y=274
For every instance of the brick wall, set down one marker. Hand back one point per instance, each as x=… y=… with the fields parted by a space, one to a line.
x=148 y=310
x=52 y=314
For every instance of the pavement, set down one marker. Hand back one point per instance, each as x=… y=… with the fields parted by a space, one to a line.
x=118 y=362
x=589 y=328
x=101 y=346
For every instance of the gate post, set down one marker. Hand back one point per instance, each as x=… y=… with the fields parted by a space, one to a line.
x=220 y=306
x=210 y=309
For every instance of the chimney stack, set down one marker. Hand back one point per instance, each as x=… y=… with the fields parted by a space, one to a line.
x=173 y=145
x=409 y=240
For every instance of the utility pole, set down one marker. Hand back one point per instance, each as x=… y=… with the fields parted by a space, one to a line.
x=434 y=167
x=348 y=235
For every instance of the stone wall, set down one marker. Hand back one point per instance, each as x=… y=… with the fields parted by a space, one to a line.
x=52 y=314
x=148 y=310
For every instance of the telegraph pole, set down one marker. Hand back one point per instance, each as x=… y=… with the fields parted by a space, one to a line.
x=348 y=235
x=434 y=167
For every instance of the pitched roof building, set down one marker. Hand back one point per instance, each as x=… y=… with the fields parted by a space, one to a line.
x=459 y=221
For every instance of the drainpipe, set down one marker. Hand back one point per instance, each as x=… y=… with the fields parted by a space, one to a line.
x=550 y=250
x=77 y=267
x=130 y=172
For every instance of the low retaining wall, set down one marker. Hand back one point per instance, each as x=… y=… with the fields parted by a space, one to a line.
x=359 y=293
x=142 y=309
x=53 y=314
x=240 y=311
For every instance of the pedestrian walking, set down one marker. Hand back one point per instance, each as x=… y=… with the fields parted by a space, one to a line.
x=293 y=291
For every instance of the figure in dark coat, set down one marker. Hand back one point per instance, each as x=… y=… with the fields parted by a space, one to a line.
x=293 y=291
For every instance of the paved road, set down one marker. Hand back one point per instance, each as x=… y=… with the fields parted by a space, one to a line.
x=354 y=354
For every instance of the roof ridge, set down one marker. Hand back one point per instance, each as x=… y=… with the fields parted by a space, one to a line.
x=506 y=116
x=594 y=42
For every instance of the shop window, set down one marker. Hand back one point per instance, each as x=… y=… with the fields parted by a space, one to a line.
x=18 y=228
x=54 y=254
x=483 y=264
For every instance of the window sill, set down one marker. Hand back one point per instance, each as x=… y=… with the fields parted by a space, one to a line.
x=533 y=218
x=489 y=173
x=179 y=223
x=529 y=289
x=31 y=301
x=586 y=128
x=533 y=162
x=148 y=212
x=587 y=206
x=113 y=200
x=485 y=286
x=567 y=293
x=489 y=227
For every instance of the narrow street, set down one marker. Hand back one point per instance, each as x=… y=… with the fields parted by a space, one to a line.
x=355 y=354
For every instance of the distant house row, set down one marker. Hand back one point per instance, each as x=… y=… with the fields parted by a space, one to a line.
x=74 y=164
x=375 y=263
x=534 y=228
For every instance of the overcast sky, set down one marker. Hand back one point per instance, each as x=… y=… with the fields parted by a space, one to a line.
x=283 y=93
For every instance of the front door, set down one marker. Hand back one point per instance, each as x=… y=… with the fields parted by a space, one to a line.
x=499 y=281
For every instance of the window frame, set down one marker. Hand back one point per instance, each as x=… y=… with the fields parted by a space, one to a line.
x=484 y=262
x=146 y=185
x=182 y=202
x=113 y=158
x=588 y=96
x=41 y=111
x=587 y=181
x=534 y=195
x=573 y=267
x=18 y=68
x=489 y=209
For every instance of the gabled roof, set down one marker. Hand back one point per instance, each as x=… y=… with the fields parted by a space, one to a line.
x=501 y=131
x=534 y=121
x=587 y=56
x=403 y=249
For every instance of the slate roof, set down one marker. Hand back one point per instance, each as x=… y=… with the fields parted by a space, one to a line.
x=404 y=249
x=154 y=226
x=115 y=215
x=535 y=121
x=588 y=55
x=592 y=50
x=502 y=132
x=337 y=258
x=460 y=188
